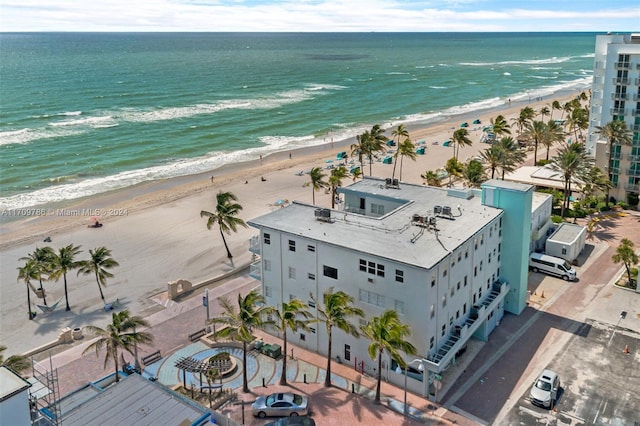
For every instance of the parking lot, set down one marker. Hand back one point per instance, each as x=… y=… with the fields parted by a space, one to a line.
x=600 y=382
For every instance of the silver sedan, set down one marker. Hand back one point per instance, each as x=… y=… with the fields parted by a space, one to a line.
x=280 y=404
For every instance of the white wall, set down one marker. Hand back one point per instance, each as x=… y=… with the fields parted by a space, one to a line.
x=15 y=410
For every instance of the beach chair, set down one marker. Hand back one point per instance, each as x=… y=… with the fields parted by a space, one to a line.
x=48 y=309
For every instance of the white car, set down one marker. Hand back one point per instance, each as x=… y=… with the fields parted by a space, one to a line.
x=545 y=389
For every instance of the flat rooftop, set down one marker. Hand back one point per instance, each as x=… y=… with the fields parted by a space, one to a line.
x=566 y=232
x=395 y=235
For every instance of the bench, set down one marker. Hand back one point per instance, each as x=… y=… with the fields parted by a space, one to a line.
x=151 y=358
x=197 y=335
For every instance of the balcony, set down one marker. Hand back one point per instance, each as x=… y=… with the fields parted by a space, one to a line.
x=620 y=96
x=621 y=80
x=461 y=334
x=622 y=65
x=617 y=111
x=254 y=245
x=633 y=172
x=255 y=270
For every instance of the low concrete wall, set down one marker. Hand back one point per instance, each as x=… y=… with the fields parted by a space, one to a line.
x=178 y=288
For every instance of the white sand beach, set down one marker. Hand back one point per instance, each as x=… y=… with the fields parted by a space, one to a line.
x=157 y=235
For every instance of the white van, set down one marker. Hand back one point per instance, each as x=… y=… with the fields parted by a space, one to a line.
x=552 y=265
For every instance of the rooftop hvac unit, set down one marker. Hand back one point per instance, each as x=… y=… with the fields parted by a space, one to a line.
x=416 y=218
x=432 y=221
x=446 y=210
x=437 y=209
x=323 y=214
x=395 y=182
x=387 y=181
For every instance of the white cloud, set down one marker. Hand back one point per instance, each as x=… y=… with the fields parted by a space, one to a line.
x=309 y=15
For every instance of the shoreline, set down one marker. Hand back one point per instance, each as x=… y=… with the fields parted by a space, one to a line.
x=60 y=217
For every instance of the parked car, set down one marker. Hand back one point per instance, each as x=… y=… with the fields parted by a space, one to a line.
x=545 y=389
x=280 y=404
x=293 y=421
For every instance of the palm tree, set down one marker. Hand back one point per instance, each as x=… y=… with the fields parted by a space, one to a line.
x=513 y=155
x=566 y=109
x=406 y=149
x=553 y=134
x=577 y=121
x=225 y=216
x=555 y=105
x=399 y=132
x=544 y=111
x=432 y=178
x=293 y=316
x=120 y=335
x=356 y=173
x=100 y=261
x=596 y=181
x=473 y=173
x=335 y=182
x=63 y=262
x=526 y=115
x=387 y=332
x=374 y=143
x=500 y=126
x=335 y=310
x=626 y=255
x=493 y=157
x=240 y=320
x=316 y=181
x=574 y=164
x=360 y=147
x=615 y=132
x=535 y=131
x=42 y=257
x=460 y=137
x=453 y=168
x=27 y=273
x=16 y=363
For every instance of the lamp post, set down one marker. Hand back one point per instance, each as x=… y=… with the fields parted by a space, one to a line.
x=205 y=302
x=420 y=368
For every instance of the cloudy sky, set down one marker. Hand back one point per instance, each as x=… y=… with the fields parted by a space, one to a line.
x=320 y=15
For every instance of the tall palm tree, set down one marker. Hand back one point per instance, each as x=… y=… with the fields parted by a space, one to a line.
x=555 y=105
x=240 y=321
x=493 y=157
x=626 y=255
x=374 y=143
x=573 y=163
x=513 y=155
x=597 y=181
x=400 y=133
x=406 y=149
x=577 y=121
x=119 y=335
x=526 y=115
x=453 y=168
x=335 y=182
x=615 y=132
x=387 y=333
x=360 y=148
x=63 y=262
x=293 y=316
x=431 y=178
x=460 y=138
x=335 y=311
x=553 y=134
x=15 y=362
x=316 y=181
x=535 y=131
x=26 y=273
x=225 y=216
x=500 y=126
x=42 y=257
x=544 y=112
x=98 y=264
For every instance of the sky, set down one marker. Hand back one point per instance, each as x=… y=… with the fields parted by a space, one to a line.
x=320 y=15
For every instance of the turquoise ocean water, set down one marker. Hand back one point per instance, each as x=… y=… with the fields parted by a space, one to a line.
x=84 y=113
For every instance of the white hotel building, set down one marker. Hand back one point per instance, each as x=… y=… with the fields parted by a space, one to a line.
x=615 y=95
x=449 y=261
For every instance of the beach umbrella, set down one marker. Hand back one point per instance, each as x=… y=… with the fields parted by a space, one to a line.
x=280 y=202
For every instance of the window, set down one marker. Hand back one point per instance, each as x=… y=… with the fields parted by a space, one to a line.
x=292 y=273
x=466 y=254
x=363 y=265
x=311 y=276
x=267 y=238
x=399 y=306
x=453 y=262
x=450 y=321
x=399 y=276
x=444 y=273
x=347 y=352
x=433 y=282
x=480 y=293
x=481 y=239
x=444 y=300
x=362 y=203
x=475 y=271
x=372 y=268
x=330 y=272
x=459 y=257
x=292 y=245
x=267 y=291
x=432 y=311
x=313 y=330
x=464 y=309
x=311 y=248
x=458 y=285
x=564 y=250
x=488 y=283
x=481 y=265
x=452 y=291
x=444 y=329
x=311 y=304
x=489 y=261
x=377 y=209
x=465 y=280
x=457 y=314
x=371 y=298
x=302 y=339
x=432 y=342
x=267 y=264
x=475 y=244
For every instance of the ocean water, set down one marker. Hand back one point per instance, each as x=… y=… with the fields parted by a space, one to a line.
x=85 y=113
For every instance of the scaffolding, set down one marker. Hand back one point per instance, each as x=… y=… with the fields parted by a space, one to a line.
x=45 y=407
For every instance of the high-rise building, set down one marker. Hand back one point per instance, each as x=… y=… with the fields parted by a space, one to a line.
x=615 y=95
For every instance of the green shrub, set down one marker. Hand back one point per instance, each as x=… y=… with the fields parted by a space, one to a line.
x=556 y=218
x=541 y=163
x=622 y=205
x=602 y=206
